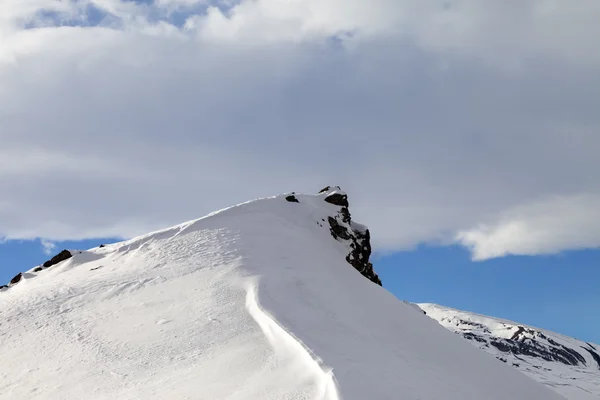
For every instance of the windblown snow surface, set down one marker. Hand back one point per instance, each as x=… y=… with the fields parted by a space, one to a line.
x=569 y=366
x=253 y=302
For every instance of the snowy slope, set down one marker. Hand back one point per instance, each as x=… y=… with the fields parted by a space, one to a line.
x=257 y=301
x=569 y=366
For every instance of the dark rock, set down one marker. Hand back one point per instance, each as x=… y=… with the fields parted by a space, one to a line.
x=101 y=246
x=325 y=189
x=553 y=343
x=474 y=324
x=503 y=347
x=472 y=336
x=515 y=336
x=532 y=348
x=341 y=229
x=595 y=355
x=337 y=199
x=3 y=287
x=345 y=214
x=337 y=230
x=292 y=199
x=38 y=269
x=575 y=358
x=16 y=279
x=62 y=256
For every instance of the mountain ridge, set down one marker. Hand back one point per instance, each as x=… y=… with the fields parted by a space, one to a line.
x=258 y=301
x=567 y=365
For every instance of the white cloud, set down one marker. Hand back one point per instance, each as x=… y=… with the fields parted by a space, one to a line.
x=542 y=227
x=442 y=119
x=47 y=246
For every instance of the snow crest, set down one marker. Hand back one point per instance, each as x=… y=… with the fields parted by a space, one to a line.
x=305 y=364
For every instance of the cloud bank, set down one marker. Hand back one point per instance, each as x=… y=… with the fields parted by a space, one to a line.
x=447 y=121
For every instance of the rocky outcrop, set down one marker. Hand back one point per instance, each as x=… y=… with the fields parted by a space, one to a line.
x=16 y=279
x=524 y=342
x=292 y=199
x=338 y=199
x=338 y=231
x=60 y=257
x=357 y=236
x=560 y=354
x=566 y=365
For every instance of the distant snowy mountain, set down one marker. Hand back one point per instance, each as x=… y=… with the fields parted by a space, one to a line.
x=568 y=366
x=273 y=299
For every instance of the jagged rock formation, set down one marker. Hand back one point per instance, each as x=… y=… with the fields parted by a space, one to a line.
x=356 y=235
x=343 y=229
x=568 y=365
x=534 y=343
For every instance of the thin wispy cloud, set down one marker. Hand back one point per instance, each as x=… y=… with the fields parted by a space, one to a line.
x=452 y=122
x=47 y=246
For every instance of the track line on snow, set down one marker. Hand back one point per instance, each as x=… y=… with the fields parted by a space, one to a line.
x=287 y=345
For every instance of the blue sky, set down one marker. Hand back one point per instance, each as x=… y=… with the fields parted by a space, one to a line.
x=558 y=292
x=21 y=255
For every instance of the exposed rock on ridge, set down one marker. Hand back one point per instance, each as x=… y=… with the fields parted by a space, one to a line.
x=16 y=279
x=529 y=342
x=60 y=257
x=357 y=236
x=567 y=365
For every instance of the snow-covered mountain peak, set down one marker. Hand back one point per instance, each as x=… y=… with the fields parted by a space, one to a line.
x=567 y=365
x=329 y=209
x=257 y=301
